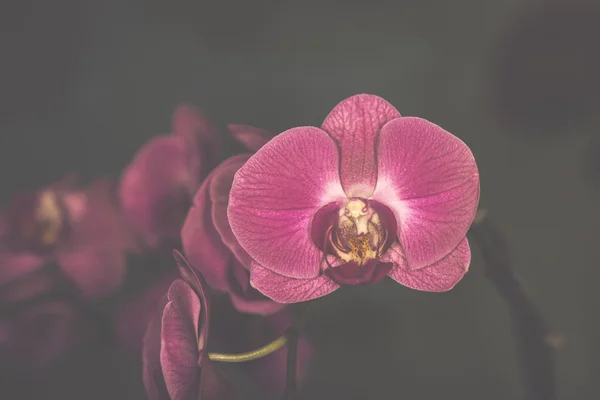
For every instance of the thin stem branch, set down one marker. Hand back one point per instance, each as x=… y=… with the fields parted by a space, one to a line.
x=254 y=354
x=535 y=340
x=293 y=331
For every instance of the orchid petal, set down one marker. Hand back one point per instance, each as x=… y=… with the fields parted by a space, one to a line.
x=202 y=243
x=429 y=178
x=440 y=276
x=201 y=145
x=275 y=195
x=101 y=222
x=286 y=290
x=247 y=299
x=152 y=375
x=198 y=284
x=220 y=187
x=155 y=187
x=214 y=386
x=354 y=124
x=179 y=341
x=96 y=272
x=15 y=265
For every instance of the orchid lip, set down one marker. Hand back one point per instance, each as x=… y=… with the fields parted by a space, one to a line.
x=357 y=235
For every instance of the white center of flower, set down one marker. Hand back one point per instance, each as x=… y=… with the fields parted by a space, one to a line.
x=359 y=233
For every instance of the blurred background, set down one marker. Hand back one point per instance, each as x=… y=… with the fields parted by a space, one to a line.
x=83 y=84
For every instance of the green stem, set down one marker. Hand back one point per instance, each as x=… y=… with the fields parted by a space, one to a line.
x=254 y=354
x=290 y=335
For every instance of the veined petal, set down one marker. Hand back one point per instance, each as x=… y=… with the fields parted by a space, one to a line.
x=275 y=195
x=152 y=374
x=289 y=290
x=247 y=299
x=354 y=124
x=440 y=276
x=429 y=178
x=179 y=341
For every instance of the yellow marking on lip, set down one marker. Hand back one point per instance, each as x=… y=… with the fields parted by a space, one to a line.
x=359 y=229
x=48 y=215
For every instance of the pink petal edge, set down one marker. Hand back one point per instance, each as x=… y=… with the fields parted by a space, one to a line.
x=275 y=195
x=440 y=276
x=286 y=290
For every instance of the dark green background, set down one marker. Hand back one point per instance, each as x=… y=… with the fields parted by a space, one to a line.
x=85 y=83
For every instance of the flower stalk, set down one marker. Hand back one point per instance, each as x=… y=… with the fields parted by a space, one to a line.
x=535 y=340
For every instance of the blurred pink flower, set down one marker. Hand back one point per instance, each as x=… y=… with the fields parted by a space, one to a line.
x=206 y=235
x=174 y=351
x=369 y=194
x=79 y=229
x=157 y=186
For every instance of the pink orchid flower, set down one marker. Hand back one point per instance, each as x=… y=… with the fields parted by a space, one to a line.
x=206 y=236
x=157 y=186
x=80 y=229
x=369 y=194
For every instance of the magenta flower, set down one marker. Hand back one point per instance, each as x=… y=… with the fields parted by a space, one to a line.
x=369 y=194
x=79 y=229
x=176 y=363
x=158 y=185
x=207 y=239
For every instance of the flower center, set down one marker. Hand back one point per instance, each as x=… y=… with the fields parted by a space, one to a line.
x=359 y=234
x=40 y=222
